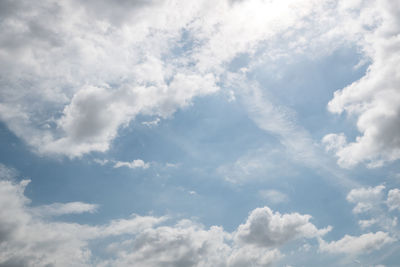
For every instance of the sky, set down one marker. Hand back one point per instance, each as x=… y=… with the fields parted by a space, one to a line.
x=227 y=133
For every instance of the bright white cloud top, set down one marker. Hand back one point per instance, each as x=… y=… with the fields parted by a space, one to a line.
x=226 y=122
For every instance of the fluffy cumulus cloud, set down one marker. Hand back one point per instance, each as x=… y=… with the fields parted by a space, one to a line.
x=374 y=100
x=32 y=236
x=268 y=229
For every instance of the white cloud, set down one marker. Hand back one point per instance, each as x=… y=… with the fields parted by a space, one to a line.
x=151 y=123
x=137 y=163
x=266 y=228
x=90 y=73
x=253 y=256
x=393 y=200
x=334 y=142
x=366 y=199
x=367 y=223
x=133 y=225
x=273 y=196
x=357 y=244
x=26 y=240
x=370 y=203
x=102 y=162
x=56 y=209
x=374 y=99
x=6 y=172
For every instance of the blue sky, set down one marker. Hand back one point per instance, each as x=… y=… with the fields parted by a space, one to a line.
x=228 y=133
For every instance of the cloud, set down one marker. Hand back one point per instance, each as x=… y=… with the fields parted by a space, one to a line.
x=26 y=240
x=57 y=209
x=95 y=114
x=273 y=196
x=151 y=123
x=258 y=164
x=92 y=67
x=90 y=73
x=374 y=99
x=137 y=163
x=182 y=245
x=367 y=223
x=393 y=199
x=366 y=199
x=357 y=244
x=277 y=120
x=102 y=162
x=266 y=228
x=30 y=236
x=7 y=173
x=251 y=256
x=371 y=202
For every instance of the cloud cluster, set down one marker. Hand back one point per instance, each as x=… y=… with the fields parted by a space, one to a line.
x=372 y=199
x=368 y=201
x=74 y=73
x=365 y=198
x=31 y=236
x=374 y=100
x=376 y=209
